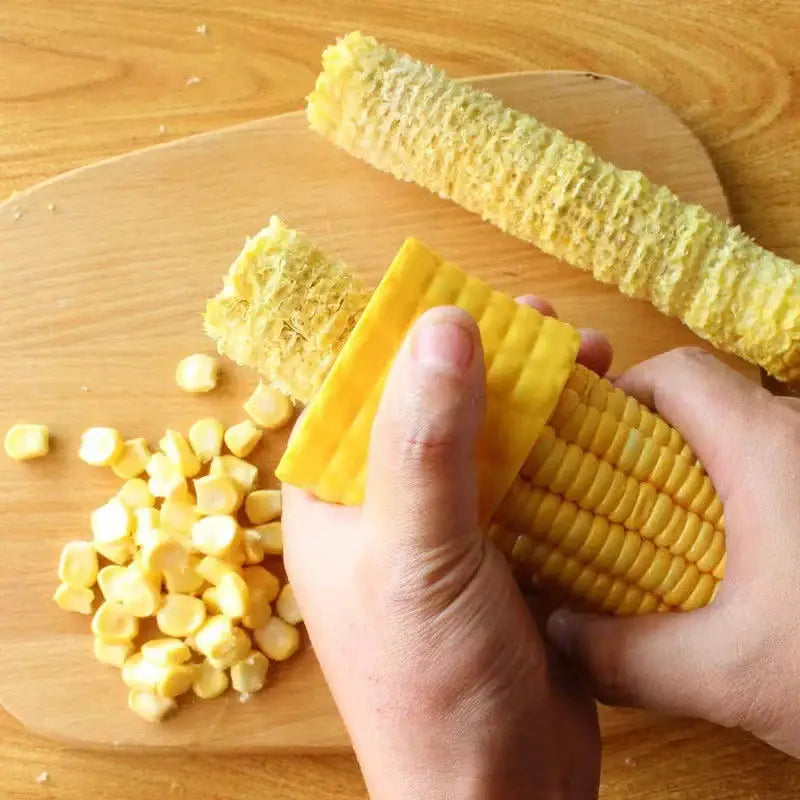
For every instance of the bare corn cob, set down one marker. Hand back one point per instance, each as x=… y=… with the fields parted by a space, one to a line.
x=408 y=118
x=609 y=505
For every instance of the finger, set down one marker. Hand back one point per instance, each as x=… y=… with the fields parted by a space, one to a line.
x=421 y=474
x=539 y=303
x=654 y=661
x=701 y=397
x=595 y=352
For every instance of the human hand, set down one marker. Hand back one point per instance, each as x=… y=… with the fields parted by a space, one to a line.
x=433 y=658
x=736 y=662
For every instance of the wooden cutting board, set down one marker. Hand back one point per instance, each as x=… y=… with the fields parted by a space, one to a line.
x=105 y=271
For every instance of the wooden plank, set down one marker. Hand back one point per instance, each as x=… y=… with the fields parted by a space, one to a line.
x=121 y=269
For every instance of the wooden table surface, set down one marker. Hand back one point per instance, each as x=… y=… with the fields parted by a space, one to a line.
x=84 y=80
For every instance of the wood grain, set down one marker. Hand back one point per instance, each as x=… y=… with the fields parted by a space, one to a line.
x=85 y=80
x=122 y=267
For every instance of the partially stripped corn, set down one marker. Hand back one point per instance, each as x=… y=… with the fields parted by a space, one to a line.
x=410 y=119
x=608 y=506
x=26 y=441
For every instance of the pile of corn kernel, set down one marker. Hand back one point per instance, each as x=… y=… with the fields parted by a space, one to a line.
x=169 y=545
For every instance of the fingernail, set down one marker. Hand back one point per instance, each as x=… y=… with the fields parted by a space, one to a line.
x=559 y=631
x=444 y=346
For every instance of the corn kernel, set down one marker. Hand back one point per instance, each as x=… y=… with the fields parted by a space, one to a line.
x=217 y=494
x=249 y=675
x=164 y=652
x=242 y=473
x=253 y=549
x=197 y=373
x=263 y=505
x=287 y=607
x=146 y=523
x=259 y=611
x=259 y=579
x=271 y=538
x=100 y=446
x=113 y=623
x=268 y=407
x=209 y=681
x=215 y=638
x=233 y=596
x=242 y=438
x=120 y=552
x=181 y=615
x=216 y=535
x=74 y=598
x=150 y=706
x=151 y=575
x=141 y=675
x=184 y=581
x=177 y=515
x=108 y=580
x=165 y=476
x=168 y=680
x=236 y=554
x=134 y=494
x=205 y=436
x=165 y=553
x=131 y=462
x=277 y=639
x=27 y=441
x=240 y=646
x=210 y=599
x=212 y=569
x=137 y=592
x=180 y=452
x=78 y=564
x=112 y=522
x=112 y=653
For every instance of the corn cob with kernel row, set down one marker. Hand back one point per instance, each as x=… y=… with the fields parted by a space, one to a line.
x=605 y=504
x=411 y=120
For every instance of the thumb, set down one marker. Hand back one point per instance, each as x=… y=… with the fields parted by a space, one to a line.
x=421 y=475
x=663 y=662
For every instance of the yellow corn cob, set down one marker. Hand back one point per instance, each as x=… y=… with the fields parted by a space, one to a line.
x=608 y=506
x=408 y=118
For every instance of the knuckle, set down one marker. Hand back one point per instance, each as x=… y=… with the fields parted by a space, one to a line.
x=692 y=355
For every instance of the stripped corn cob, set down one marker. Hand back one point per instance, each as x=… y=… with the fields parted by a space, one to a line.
x=409 y=119
x=604 y=503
